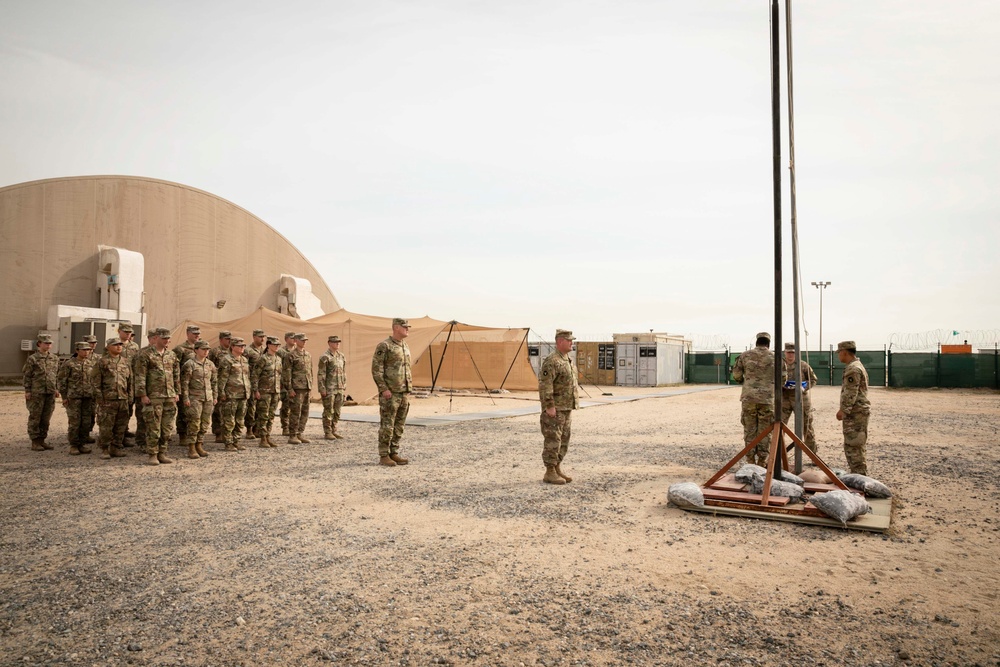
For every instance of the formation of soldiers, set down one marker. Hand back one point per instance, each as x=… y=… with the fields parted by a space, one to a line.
x=754 y=369
x=192 y=387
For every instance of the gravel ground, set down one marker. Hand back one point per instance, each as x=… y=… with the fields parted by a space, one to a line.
x=312 y=554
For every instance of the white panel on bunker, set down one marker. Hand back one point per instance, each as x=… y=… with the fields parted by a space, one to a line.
x=625 y=371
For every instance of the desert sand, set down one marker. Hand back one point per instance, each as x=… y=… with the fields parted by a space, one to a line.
x=314 y=554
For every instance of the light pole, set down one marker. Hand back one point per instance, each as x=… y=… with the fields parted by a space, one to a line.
x=821 y=286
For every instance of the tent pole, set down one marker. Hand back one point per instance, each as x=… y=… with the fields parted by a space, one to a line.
x=444 y=353
x=473 y=360
x=776 y=187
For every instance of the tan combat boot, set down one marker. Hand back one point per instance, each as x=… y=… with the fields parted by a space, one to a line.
x=303 y=439
x=74 y=450
x=153 y=460
x=551 y=476
x=84 y=449
x=270 y=441
x=117 y=453
x=162 y=458
x=336 y=433
x=219 y=437
x=201 y=450
x=562 y=474
x=105 y=454
x=328 y=435
x=386 y=461
x=239 y=445
x=294 y=440
x=36 y=446
x=45 y=445
x=192 y=452
x=230 y=447
x=263 y=441
x=400 y=461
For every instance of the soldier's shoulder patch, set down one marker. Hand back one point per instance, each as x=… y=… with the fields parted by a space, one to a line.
x=379 y=352
x=851 y=379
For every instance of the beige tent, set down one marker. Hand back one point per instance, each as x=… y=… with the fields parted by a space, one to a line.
x=476 y=357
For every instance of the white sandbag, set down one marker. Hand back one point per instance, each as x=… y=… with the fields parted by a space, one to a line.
x=778 y=488
x=841 y=505
x=868 y=485
x=686 y=494
x=746 y=473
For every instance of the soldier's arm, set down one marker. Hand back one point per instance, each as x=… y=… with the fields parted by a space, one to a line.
x=546 y=391
x=286 y=372
x=813 y=380
x=849 y=391
x=185 y=391
x=224 y=371
x=62 y=379
x=738 y=369
x=322 y=374
x=214 y=381
x=139 y=377
x=378 y=368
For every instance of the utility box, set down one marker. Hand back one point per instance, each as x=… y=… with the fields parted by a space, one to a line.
x=74 y=328
x=596 y=363
x=649 y=359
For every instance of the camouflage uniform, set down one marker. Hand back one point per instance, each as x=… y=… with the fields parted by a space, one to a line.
x=788 y=402
x=216 y=355
x=140 y=418
x=130 y=351
x=112 y=380
x=184 y=352
x=285 y=407
x=856 y=408
x=332 y=380
x=297 y=376
x=755 y=370
x=40 y=381
x=391 y=371
x=234 y=387
x=77 y=390
x=557 y=388
x=199 y=387
x=252 y=353
x=265 y=379
x=158 y=378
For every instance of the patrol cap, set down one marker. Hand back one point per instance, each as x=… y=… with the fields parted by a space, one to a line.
x=764 y=334
x=89 y=338
x=272 y=340
x=289 y=334
x=237 y=341
x=152 y=332
x=113 y=341
x=333 y=339
x=82 y=345
x=163 y=332
x=202 y=345
x=258 y=332
x=44 y=338
x=846 y=345
x=789 y=347
x=564 y=333
x=301 y=336
x=126 y=327
x=192 y=328
x=400 y=322
x=225 y=334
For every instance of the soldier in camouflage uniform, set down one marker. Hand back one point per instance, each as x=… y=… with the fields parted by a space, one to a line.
x=40 y=391
x=112 y=380
x=559 y=394
x=788 y=394
x=77 y=391
x=184 y=352
x=754 y=369
x=199 y=394
x=128 y=353
x=286 y=409
x=252 y=353
x=854 y=407
x=140 y=417
x=234 y=387
x=158 y=388
x=297 y=379
x=332 y=381
x=91 y=341
x=216 y=355
x=265 y=382
x=392 y=374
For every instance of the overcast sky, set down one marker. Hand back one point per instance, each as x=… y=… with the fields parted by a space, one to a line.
x=598 y=165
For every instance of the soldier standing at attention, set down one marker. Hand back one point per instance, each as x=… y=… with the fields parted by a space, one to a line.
x=128 y=352
x=234 y=387
x=854 y=407
x=112 y=379
x=158 y=388
x=184 y=352
x=216 y=355
x=559 y=395
x=392 y=374
x=40 y=391
x=265 y=381
x=199 y=392
x=285 y=407
x=77 y=396
x=252 y=353
x=297 y=375
x=332 y=382
x=788 y=395
x=91 y=341
x=140 y=417
x=754 y=369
